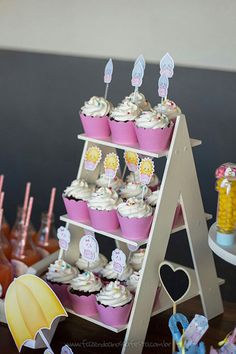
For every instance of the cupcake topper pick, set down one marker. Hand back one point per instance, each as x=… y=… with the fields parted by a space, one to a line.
x=89 y=248
x=92 y=158
x=118 y=261
x=111 y=165
x=146 y=170
x=108 y=75
x=140 y=60
x=137 y=76
x=163 y=85
x=167 y=65
x=63 y=235
x=131 y=160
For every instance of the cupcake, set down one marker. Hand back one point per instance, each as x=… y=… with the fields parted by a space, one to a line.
x=108 y=274
x=132 y=282
x=59 y=276
x=122 y=121
x=114 y=304
x=154 y=131
x=102 y=209
x=94 y=266
x=169 y=108
x=135 y=217
x=75 y=199
x=134 y=177
x=136 y=260
x=94 y=116
x=82 y=293
x=104 y=181
x=152 y=198
x=134 y=190
x=139 y=99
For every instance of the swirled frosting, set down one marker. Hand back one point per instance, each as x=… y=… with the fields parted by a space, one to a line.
x=134 y=208
x=168 y=108
x=134 y=178
x=79 y=189
x=132 y=282
x=152 y=120
x=104 y=199
x=136 y=259
x=139 y=99
x=61 y=272
x=125 y=111
x=109 y=273
x=97 y=107
x=86 y=282
x=152 y=198
x=114 y=294
x=103 y=181
x=95 y=266
x=133 y=190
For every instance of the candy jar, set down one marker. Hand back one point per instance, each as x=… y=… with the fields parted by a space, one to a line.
x=47 y=239
x=226 y=208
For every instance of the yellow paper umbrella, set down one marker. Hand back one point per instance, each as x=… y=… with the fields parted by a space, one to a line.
x=30 y=306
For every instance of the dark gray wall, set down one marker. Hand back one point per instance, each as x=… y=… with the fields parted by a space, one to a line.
x=39 y=100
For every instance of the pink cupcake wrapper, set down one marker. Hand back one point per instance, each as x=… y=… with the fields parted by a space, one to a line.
x=114 y=316
x=76 y=210
x=123 y=132
x=135 y=228
x=154 y=140
x=105 y=220
x=95 y=127
x=83 y=305
x=60 y=291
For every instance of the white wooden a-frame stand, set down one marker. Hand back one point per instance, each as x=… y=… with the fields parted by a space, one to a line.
x=179 y=183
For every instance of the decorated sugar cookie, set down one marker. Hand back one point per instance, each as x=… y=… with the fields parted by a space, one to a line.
x=131 y=160
x=146 y=170
x=111 y=165
x=92 y=158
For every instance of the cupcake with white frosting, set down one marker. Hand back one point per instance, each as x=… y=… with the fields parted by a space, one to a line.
x=102 y=209
x=109 y=274
x=136 y=259
x=169 y=108
x=152 y=198
x=104 y=181
x=134 y=190
x=121 y=123
x=94 y=116
x=135 y=178
x=94 y=266
x=154 y=131
x=75 y=199
x=139 y=99
x=59 y=276
x=133 y=281
x=82 y=293
x=114 y=304
x=135 y=217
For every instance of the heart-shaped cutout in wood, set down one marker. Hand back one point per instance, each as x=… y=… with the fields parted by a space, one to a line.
x=175 y=281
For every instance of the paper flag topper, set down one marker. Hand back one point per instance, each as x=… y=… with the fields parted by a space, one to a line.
x=167 y=65
x=30 y=306
x=89 y=248
x=118 y=261
x=131 y=160
x=108 y=71
x=92 y=158
x=140 y=60
x=63 y=235
x=111 y=165
x=146 y=170
x=137 y=75
x=163 y=85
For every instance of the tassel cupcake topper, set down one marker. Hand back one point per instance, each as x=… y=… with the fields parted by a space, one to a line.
x=166 y=72
x=138 y=72
x=108 y=75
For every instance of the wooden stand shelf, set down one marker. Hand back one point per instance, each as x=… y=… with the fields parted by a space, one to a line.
x=179 y=183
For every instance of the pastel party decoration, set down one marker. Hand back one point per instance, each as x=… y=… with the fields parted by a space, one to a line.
x=118 y=260
x=89 y=248
x=137 y=76
x=140 y=60
x=108 y=75
x=63 y=235
x=131 y=160
x=163 y=85
x=228 y=345
x=111 y=165
x=92 y=158
x=66 y=350
x=167 y=65
x=195 y=330
x=146 y=170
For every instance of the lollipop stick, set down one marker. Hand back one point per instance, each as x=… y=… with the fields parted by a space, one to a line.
x=26 y=200
x=50 y=211
x=124 y=171
x=1 y=182
x=106 y=91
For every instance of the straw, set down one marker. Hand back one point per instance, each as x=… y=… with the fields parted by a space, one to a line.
x=26 y=225
x=1 y=215
x=26 y=200
x=1 y=199
x=50 y=211
x=1 y=182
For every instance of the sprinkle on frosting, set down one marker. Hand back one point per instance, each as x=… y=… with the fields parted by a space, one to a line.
x=97 y=107
x=104 y=199
x=168 y=108
x=152 y=120
x=134 y=208
x=79 y=189
x=114 y=294
x=86 y=282
x=61 y=272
